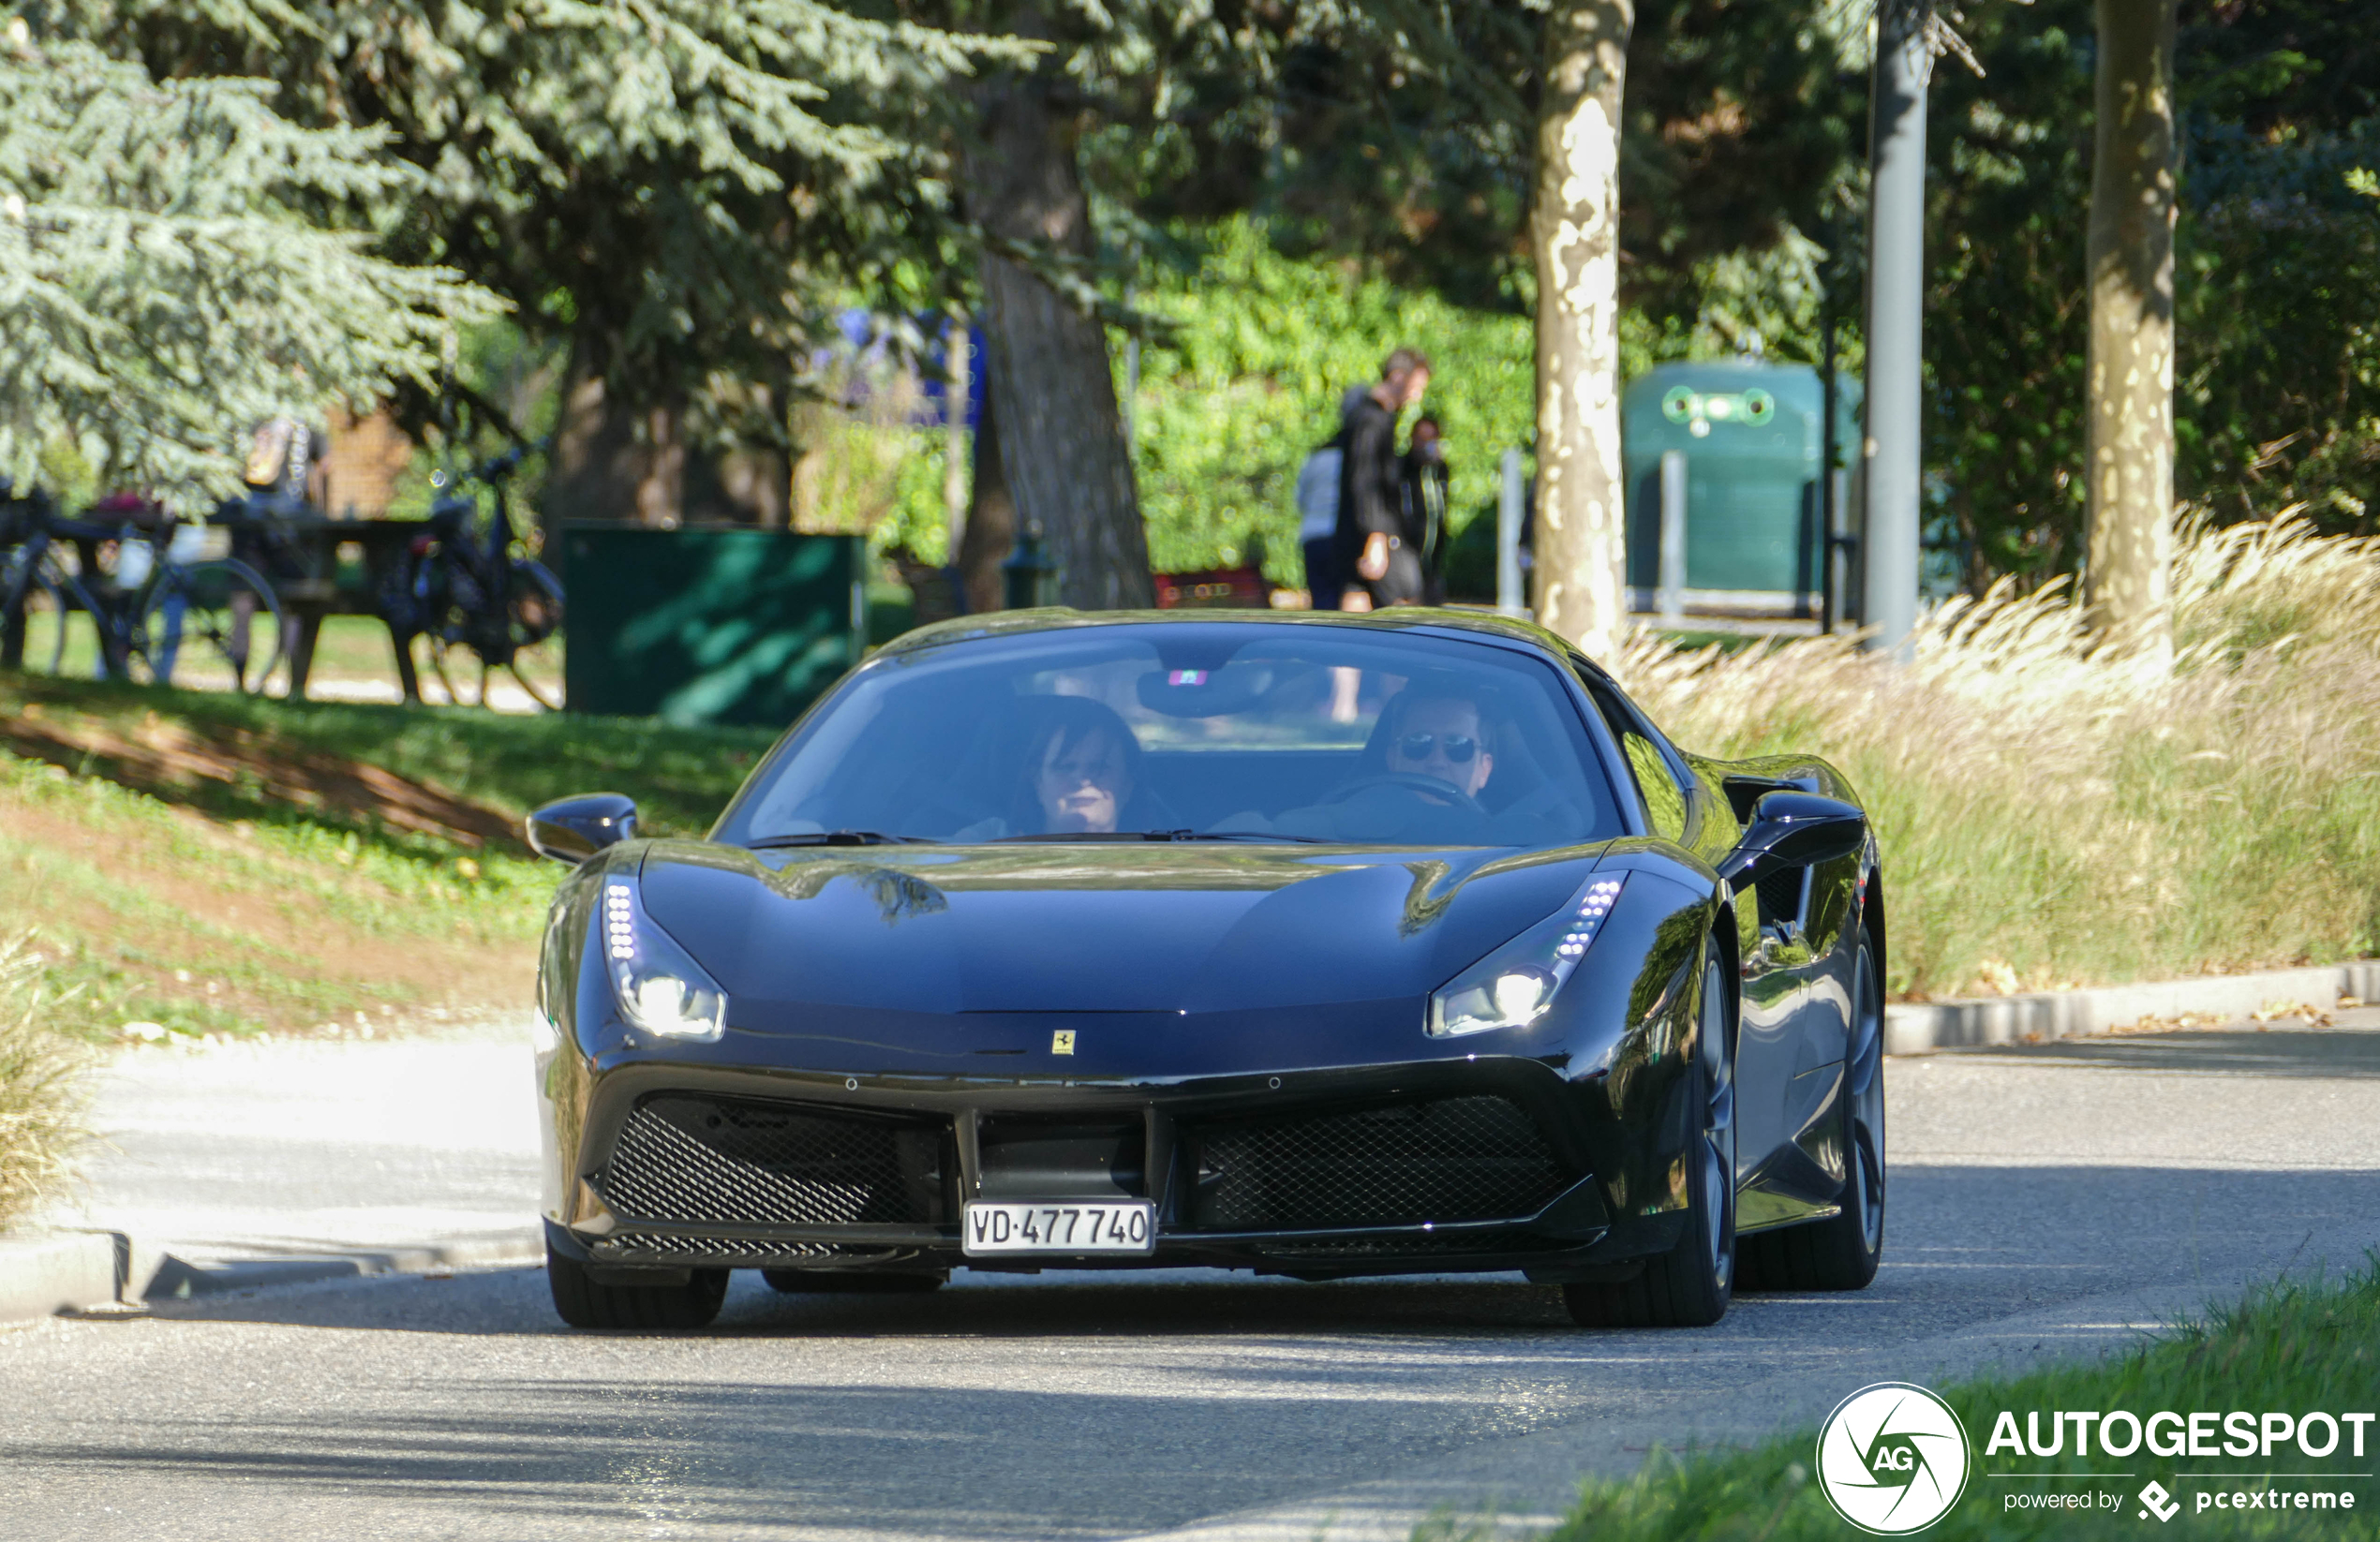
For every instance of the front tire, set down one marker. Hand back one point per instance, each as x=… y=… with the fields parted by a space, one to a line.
x=1690 y=1285
x=584 y=1303
x=1842 y=1252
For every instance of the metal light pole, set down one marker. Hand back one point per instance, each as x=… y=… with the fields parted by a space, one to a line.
x=1510 y=597
x=1891 y=455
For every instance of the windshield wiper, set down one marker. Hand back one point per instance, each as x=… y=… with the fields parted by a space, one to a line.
x=839 y=837
x=1162 y=835
x=1091 y=835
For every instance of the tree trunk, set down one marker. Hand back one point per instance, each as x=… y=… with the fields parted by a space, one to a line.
x=1581 y=587
x=630 y=462
x=612 y=460
x=1064 y=450
x=2127 y=587
x=990 y=531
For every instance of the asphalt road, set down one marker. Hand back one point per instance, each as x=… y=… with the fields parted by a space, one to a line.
x=2048 y=1200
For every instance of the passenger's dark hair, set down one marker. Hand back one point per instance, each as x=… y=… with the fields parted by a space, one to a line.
x=1060 y=723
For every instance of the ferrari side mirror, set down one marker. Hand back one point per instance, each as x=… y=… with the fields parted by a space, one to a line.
x=577 y=828
x=1793 y=829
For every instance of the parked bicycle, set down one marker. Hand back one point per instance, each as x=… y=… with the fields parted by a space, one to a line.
x=166 y=613
x=460 y=590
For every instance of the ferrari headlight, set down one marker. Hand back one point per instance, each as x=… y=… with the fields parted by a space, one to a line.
x=660 y=987
x=1512 y=987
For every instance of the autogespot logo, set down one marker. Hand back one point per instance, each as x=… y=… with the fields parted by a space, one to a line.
x=1893 y=1459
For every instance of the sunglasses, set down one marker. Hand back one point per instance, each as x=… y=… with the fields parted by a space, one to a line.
x=1460 y=748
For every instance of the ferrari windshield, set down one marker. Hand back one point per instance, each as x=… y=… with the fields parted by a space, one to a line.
x=1189 y=730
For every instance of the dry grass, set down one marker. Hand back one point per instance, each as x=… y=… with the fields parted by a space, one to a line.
x=39 y=1098
x=2052 y=814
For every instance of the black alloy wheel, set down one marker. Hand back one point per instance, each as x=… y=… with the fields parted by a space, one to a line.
x=1690 y=1285
x=850 y=1283
x=584 y=1303
x=1841 y=1252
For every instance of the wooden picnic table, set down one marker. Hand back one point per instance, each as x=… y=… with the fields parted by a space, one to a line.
x=321 y=567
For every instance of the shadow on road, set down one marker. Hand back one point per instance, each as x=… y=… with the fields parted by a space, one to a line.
x=1993 y=1239
x=436 y=1407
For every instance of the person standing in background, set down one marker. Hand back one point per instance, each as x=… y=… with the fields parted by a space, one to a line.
x=1317 y=497
x=1373 y=538
x=1425 y=503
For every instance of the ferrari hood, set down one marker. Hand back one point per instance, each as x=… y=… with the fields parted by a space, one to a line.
x=1141 y=928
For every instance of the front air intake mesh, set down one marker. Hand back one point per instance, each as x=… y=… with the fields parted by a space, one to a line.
x=1447 y=1160
x=688 y=1159
x=722 y=1250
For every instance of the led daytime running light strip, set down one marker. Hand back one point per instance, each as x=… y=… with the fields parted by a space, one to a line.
x=1592 y=907
x=620 y=927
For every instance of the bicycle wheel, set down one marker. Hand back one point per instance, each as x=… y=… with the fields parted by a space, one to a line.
x=209 y=624
x=533 y=611
x=32 y=619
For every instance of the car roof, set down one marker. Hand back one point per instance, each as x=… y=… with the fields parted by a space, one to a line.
x=1482 y=623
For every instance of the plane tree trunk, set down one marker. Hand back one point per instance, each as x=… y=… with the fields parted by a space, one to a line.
x=1575 y=231
x=2127 y=587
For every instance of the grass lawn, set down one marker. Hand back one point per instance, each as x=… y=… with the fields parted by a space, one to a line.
x=2297 y=1347
x=216 y=863
x=350 y=651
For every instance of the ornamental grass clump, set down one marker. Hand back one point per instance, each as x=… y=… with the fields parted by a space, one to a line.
x=40 y=1098
x=2054 y=813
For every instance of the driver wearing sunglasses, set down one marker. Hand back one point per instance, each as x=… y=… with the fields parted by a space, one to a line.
x=1442 y=737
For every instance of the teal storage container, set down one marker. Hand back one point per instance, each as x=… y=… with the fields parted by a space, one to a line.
x=1753 y=438
x=710 y=626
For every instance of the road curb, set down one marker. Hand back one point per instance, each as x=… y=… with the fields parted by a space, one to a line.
x=1918 y=1027
x=162 y=1276
x=42 y=1276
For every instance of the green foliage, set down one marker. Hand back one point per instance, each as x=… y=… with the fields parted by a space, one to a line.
x=2278 y=396
x=682 y=189
x=2278 y=379
x=168 y=273
x=2294 y=1345
x=1264 y=344
x=1251 y=382
x=2007 y=315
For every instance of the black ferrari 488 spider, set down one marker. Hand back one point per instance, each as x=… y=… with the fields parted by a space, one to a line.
x=1318 y=945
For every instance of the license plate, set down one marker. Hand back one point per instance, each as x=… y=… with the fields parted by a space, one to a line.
x=1058 y=1226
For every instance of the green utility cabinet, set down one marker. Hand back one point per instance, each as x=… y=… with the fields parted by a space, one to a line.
x=1753 y=435
x=710 y=626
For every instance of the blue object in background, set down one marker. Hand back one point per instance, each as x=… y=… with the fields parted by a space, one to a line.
x=868 y=339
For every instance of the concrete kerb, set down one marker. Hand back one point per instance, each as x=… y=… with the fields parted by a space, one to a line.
x=1915 y=1028
x=77 y=1271
x=158 y=1275
x=66 y=1271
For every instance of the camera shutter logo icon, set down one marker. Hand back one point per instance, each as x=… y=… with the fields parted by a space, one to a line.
x=1893 y=1459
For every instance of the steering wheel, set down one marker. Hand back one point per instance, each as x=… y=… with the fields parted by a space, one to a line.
x=1429 y=786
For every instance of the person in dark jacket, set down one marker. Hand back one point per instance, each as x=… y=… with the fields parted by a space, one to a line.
x=1425 y=484
x=1380 y=554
